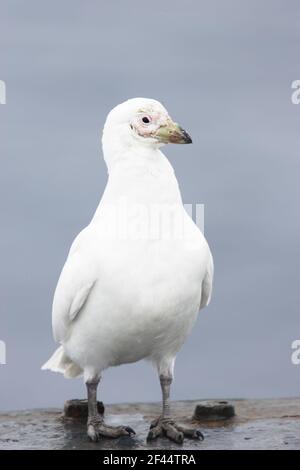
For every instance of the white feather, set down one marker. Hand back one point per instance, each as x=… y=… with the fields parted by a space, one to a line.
x=121 y=299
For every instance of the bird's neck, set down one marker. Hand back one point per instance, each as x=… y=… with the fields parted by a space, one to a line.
x=142 y=176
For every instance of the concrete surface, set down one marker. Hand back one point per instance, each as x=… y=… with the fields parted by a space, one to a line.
x=258 y=424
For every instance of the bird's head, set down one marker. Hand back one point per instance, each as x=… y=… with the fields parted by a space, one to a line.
x=141 y=122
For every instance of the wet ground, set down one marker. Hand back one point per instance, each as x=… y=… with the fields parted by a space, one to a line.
x=258 y=424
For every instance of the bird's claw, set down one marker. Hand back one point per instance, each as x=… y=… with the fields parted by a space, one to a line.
x=96 y=428
x=175 y=432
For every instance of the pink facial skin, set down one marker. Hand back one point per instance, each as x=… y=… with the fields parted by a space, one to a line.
x=148 y=129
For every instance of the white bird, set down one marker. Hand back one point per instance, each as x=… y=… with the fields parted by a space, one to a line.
x=137 y=275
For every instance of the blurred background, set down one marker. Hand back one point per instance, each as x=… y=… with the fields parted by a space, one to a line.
x=224 y=70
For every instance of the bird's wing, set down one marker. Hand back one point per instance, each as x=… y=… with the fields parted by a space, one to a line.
x=75 y=284
x=207 y=283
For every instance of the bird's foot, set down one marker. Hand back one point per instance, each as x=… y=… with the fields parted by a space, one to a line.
x=167 y=427
x=96 y=428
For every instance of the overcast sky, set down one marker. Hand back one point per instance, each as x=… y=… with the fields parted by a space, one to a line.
x=224 y=71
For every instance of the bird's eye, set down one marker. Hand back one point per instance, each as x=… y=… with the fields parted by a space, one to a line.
x=146 y=120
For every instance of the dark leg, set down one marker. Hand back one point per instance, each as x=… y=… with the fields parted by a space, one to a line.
x=164 y=425
x=96 y=426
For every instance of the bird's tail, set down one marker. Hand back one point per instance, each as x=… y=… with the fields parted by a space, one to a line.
x=60 y=362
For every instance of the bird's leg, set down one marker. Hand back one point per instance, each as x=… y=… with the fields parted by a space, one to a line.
x=165 y=383
x=165 y=425
x=96 y=426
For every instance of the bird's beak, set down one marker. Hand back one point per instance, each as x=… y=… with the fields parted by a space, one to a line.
x=172 y=133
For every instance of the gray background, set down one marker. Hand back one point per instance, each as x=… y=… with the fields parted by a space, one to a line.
x=224 y=71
